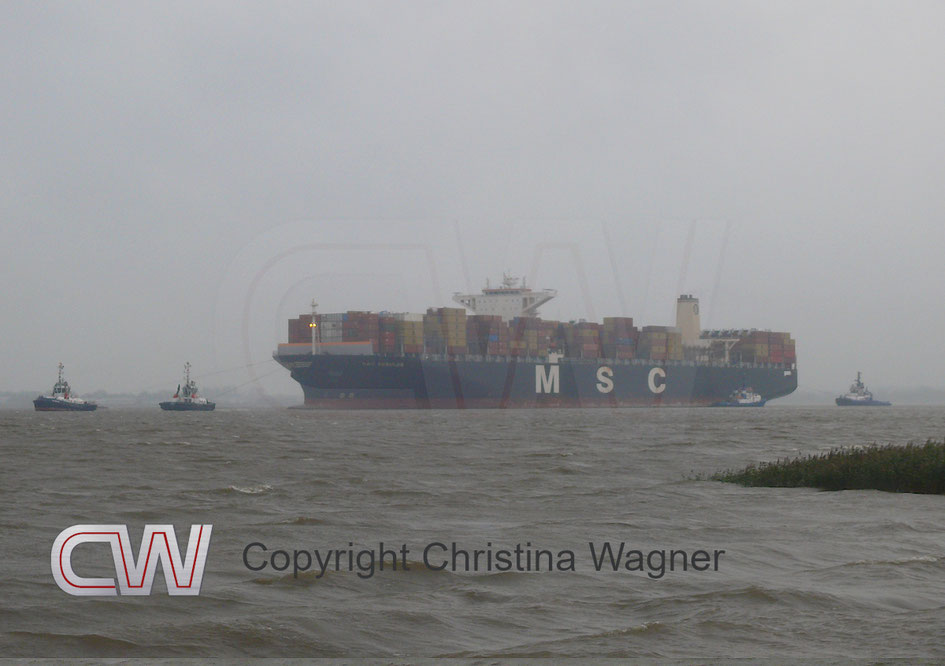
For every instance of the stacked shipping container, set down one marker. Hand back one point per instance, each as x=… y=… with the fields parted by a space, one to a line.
x=531 y=336
x=387 y=342
x=331 y=327
x=299 y=329
x=451 y=331
x=582 y=339
x=766 y=347
x=487 y=335
x=619 y=337
x=444 y=330
x=358 y=326
x=660 y=343
x=410 y=332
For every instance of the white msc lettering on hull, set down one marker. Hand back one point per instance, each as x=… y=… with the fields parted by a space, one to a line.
x=651 y=380
x=605 y=379
x=546 y=379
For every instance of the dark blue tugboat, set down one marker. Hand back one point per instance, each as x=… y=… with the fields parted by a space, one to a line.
x=186 y=398
x=62 y=399
x=859 y=396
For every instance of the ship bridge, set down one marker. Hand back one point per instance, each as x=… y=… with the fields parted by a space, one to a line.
x=512 y=299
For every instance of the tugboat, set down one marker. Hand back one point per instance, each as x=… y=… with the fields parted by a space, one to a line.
x=859 y=396
x=186 y=398
x=743 y=397
x=62 y=399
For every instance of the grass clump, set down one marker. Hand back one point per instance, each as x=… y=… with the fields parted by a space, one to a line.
x=909 y=468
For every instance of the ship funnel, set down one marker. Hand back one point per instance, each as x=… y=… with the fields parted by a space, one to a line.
x=687 y=319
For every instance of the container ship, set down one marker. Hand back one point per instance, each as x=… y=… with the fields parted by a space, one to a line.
x=504 y=355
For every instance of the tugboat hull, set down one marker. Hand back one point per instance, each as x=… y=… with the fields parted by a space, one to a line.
x=44 y=404
x=846 y=402
x=174 y=406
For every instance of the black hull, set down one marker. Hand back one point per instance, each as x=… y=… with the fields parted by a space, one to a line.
x=462 y=382
x=43 y=404
x=174 y=406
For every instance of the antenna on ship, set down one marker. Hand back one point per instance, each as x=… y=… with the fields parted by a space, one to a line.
x=316 y=335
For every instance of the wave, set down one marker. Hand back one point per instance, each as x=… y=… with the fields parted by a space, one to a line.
x=247 y=490
x=567 y=470
x=401 y=492
x=896 y=562
x=557 y=648
x=96 y=643
x=486 y=596
x=749 y=594
x=303 y=520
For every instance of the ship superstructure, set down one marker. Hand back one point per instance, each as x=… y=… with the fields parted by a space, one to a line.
x=503 y=355
x=512 y=299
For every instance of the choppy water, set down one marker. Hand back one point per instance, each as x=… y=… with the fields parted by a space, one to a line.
x=806 y=573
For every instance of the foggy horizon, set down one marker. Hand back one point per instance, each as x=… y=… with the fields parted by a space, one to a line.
x=178 y=181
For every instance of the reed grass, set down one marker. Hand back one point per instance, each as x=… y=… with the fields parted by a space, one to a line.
x=909 y=468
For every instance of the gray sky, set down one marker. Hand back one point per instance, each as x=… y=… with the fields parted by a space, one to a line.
x=175 y=181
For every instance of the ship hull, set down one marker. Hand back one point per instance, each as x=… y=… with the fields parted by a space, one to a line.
x=174 y=406
x=44 y=404
x=386 y=382
x=846 y=402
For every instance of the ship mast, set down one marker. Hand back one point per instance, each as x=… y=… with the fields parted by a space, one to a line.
x=316 y=334
x=61 y=366
x=187 y=373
